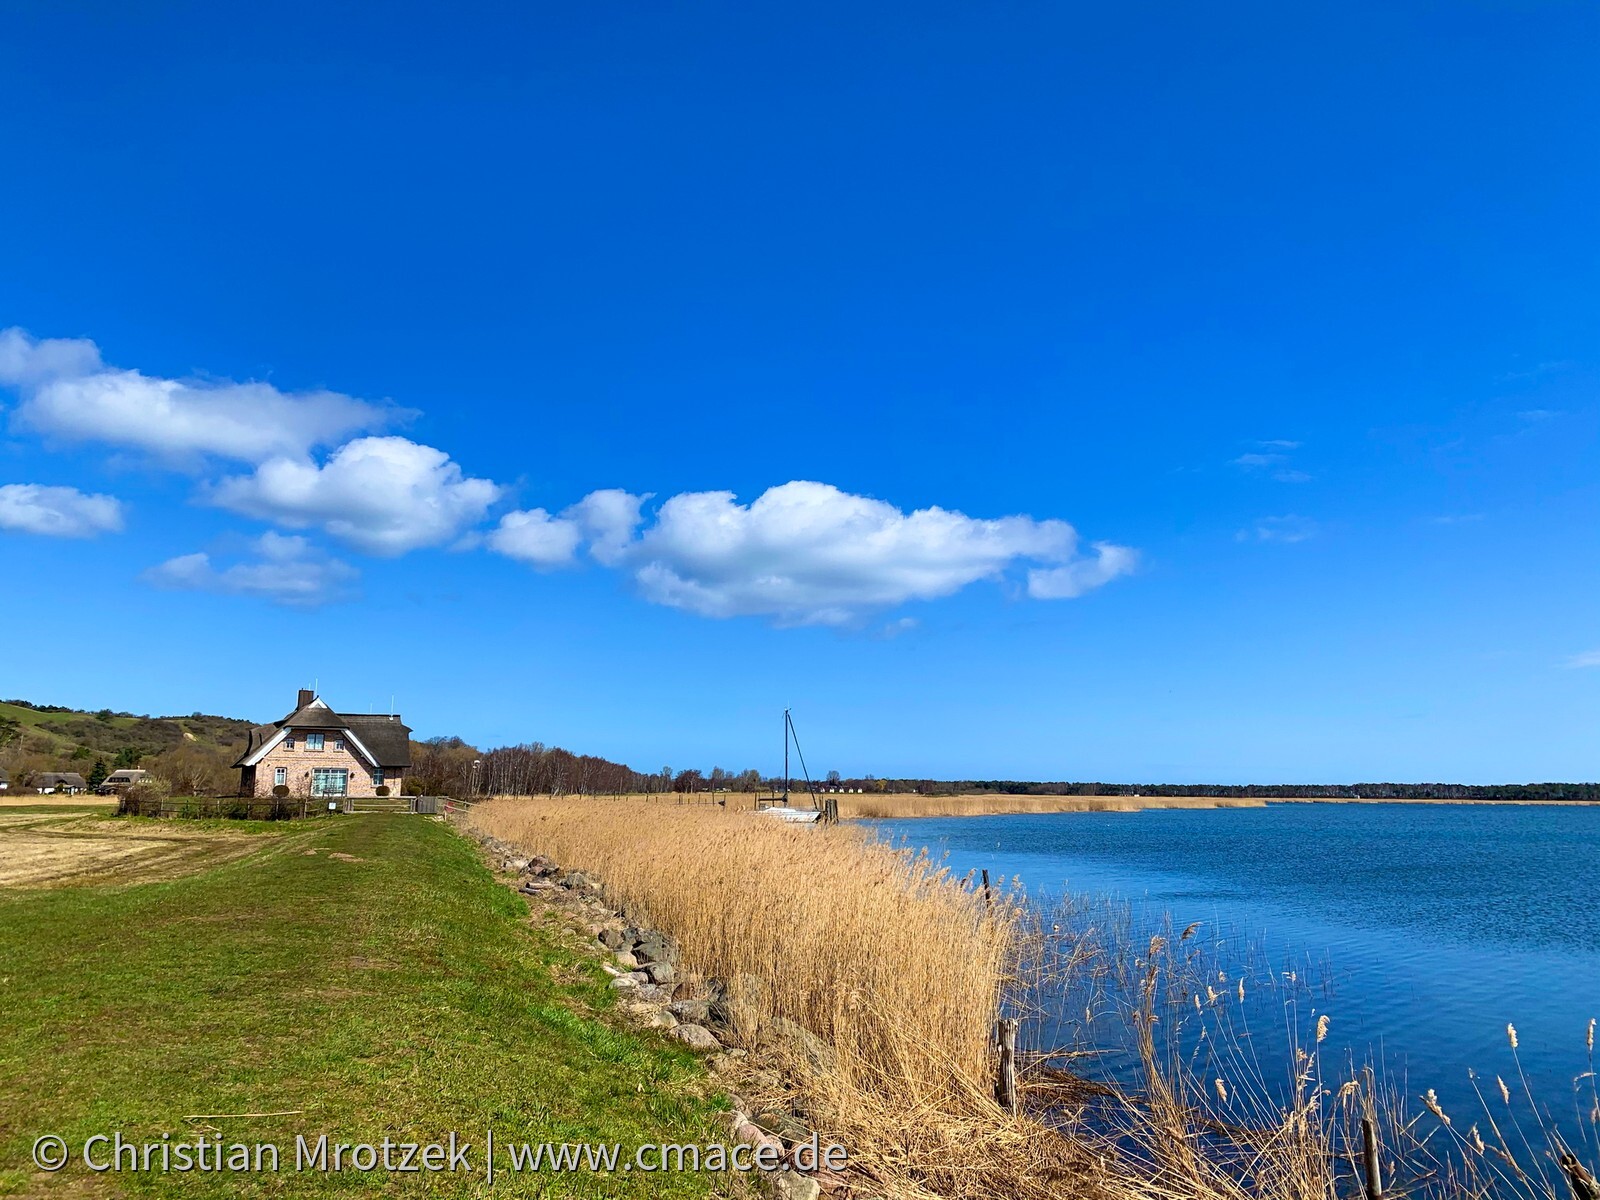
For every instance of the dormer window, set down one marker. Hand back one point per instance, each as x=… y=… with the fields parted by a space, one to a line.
x=288 y=742
x=313 y=741
x=338 y=743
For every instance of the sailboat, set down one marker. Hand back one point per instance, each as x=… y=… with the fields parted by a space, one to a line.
x=780 y=806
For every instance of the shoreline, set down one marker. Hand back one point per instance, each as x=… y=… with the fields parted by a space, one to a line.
x=890 y=808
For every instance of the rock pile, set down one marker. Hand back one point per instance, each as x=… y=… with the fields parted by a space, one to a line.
x=723 y=1019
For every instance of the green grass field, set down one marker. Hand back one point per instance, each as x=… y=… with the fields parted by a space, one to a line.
x=396 y=991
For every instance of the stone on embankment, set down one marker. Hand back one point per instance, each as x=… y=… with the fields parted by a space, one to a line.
x=696 y=1037
x=625 y=983
x=692 y=1012
x=799 y=1042
x=786 y=1185
x=739 y=1003
x=649 y=1016
x=577 y=881
x=782 y=1125
x=611 y=938
x=652 y=947
x=627 y=961
x=660 y=972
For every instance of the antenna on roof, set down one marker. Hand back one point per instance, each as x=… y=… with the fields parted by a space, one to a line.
x=391 y=706
x=316 y=689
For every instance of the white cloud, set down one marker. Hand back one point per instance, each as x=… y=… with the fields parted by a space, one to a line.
x=68 y=392
x=384 y=495
x=608 y=519
x=534 y=536
x=809 y=554
x=1084 y=575
x=605 y=519
x=1279 y=529
x=1589 y=658
x=286 y=571
x=1257 y=460
x=57 y=511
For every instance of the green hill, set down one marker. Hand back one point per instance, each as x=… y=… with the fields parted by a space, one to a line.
x=49 y=737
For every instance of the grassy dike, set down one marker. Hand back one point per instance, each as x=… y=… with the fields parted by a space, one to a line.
x=367 y=971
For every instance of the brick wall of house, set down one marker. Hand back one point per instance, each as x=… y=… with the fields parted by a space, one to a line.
x=298 y=764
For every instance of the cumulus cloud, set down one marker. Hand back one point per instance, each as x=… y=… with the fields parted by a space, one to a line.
x=383 y=495
x=57 y=511
x=285 y=570
x=68 y=392
x=1288 y=528
x=806 y=553
x=606 y=520
x=534 y=536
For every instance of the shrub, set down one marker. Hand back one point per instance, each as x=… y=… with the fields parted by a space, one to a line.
x=281 y=791
x=151 y=792
x=382 y=789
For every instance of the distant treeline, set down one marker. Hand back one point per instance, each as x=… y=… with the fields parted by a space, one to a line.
x=453 y=766
x=1257 y=791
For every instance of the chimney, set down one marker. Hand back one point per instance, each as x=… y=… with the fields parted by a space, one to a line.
x=306 y=697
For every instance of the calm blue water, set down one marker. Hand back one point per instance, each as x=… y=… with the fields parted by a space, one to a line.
x=1428 y=927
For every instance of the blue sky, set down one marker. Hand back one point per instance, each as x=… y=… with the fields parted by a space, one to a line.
x=1135 y=392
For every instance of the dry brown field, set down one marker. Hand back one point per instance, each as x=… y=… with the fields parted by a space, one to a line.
x=62 y=849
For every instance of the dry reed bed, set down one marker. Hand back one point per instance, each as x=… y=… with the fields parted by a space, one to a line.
x=902 y=972
x=876 y=952
x=888 y=806
x=873 y=951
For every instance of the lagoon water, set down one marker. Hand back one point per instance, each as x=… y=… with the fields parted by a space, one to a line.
x=1425 y=928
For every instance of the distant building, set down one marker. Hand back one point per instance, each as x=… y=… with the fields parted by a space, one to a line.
x=319 y=753
x=119 y=779
x=67 y=783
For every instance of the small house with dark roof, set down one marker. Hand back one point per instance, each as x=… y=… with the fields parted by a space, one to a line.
x=52 y=783
x=318 y=753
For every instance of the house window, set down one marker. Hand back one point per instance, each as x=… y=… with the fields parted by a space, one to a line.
x=313 y=741
x=377 y=776
x=338 y=743
x=280 y=776
x=288 y=742
x=330 y=781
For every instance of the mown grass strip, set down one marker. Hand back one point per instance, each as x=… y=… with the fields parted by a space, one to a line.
x=397 y=991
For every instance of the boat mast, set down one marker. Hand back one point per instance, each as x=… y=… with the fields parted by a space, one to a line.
x=786 y=757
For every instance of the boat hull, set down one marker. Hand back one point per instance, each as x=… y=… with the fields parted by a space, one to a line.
x=794 y=816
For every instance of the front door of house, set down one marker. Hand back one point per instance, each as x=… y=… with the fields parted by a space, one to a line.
x=330 y=781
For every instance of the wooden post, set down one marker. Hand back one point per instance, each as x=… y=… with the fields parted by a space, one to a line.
x=1005 y=1089
x=1582 y=1183
x=988 y=897
x=1369 y=1154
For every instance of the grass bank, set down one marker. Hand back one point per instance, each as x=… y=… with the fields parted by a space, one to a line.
x=366 y=973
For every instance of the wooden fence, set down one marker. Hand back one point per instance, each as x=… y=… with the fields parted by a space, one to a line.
x=265 y=808
x=242 y=808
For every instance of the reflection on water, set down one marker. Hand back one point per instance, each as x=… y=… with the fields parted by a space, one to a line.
x=1420 y=930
